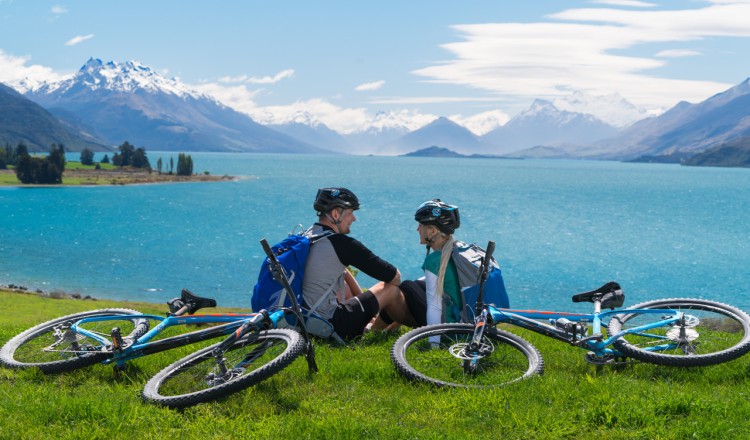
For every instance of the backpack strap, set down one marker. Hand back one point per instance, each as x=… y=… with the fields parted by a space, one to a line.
x=313 y=239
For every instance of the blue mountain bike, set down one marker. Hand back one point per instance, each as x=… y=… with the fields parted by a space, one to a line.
x=254 y=347
x=678 y=332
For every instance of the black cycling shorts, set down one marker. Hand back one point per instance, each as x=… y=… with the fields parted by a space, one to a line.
x=415 y=294
x=351 y=316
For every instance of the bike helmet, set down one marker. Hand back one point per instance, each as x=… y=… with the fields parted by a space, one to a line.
x=442 y=215
x=329 y=198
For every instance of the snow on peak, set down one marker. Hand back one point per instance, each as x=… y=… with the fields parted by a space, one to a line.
x=126 y=77
x=613 y=109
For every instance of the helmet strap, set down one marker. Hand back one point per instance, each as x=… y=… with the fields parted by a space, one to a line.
x=335 y=222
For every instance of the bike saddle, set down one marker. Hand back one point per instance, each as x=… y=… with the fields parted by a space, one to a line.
x=190 y=300
x=599 y=293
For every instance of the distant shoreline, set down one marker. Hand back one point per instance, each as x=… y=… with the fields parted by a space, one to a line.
x=55 y=294
x=115 y=178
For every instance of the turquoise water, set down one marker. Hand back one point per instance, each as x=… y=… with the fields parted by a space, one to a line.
x=560 y=226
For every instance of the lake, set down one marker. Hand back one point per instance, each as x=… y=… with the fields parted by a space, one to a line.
x=560 y=226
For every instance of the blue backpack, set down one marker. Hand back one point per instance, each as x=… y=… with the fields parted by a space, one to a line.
x=468 y=260
x=292 y=253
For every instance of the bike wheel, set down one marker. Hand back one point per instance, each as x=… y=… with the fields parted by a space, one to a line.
x=506 y=358
x=205 y=375
x=711 y=333
x=53 y=348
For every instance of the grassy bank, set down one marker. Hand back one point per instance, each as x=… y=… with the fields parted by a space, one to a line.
x=77 y=174
x=358 y=394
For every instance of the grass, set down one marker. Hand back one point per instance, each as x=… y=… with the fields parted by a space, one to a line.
x=358 y=394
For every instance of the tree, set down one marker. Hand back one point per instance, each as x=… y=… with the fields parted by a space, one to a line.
x=87 y=157
x=125 y=157
x=158 y=165
x=43 y=170
x=21 y=149
x=25 y=169
x=57 y=156
x=171 y=164
x=140 y=160
x=105 y=159
x=184 y=165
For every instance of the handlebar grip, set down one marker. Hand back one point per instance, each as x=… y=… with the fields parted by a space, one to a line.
x=490 y=250
x=266 y=248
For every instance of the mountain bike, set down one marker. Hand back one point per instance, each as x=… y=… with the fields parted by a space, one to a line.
x=254 y=348
x=680 y=332
x=237 y=362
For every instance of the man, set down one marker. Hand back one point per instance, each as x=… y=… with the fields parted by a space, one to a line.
x=329 y=289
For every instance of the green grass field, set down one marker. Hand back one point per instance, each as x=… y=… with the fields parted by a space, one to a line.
x=357 y=394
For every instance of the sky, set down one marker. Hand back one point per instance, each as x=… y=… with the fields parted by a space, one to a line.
x=345 y=62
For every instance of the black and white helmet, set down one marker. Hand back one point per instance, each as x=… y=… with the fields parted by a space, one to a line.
x=329 y=198
x=442 y=215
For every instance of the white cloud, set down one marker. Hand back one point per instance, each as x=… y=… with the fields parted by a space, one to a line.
x=58 y=10
x=412 y=100
x=366 y=87
x=584 y=49
x=677 y=53
x=79 y=39
x=626 y=3
x=288 y=73
x=16 y=72
x=236 y=97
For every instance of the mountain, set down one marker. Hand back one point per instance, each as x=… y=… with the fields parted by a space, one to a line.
x=441 y=132
x=22 y=120
x=543 y=124
x=735 y=153
x=306 y=127
x=384 y=127
x=685 y=129
x=612 y=109
x=130 y=102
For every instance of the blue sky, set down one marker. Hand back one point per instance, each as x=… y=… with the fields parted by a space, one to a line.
x=344 y=61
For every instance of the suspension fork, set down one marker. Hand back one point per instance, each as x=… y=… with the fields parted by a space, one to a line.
x=261 y=321
x=480 y=326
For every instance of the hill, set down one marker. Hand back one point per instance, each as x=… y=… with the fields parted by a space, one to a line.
x=735 y=153
x=27 y=122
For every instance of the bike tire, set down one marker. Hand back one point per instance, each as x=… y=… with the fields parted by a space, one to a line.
x=194 y=379
x=417 y=358
x=43 y=346
x=721 y=334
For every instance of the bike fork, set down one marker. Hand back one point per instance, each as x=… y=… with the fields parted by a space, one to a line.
x=474 y=349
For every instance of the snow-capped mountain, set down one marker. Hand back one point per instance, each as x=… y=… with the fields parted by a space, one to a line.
x=612 y=109
x=130 y=102
x=384 y=127
x=543 y=124
x=684 y=129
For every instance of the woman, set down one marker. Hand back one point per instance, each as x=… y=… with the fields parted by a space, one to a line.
x=435 y=298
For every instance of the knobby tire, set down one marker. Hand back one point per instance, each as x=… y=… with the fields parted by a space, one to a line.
x=419 y=358
x=196 y=378
x=722 y=333
x=43 y=347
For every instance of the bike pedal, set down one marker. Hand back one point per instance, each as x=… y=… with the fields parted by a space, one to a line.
x=116 y=339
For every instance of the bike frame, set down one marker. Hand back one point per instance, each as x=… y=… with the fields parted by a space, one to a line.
x=596 y=343
x=571 y=331
x=237 y=323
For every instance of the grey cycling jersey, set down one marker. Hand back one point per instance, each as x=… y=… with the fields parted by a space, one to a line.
x=324 y=276
x=324 y=270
